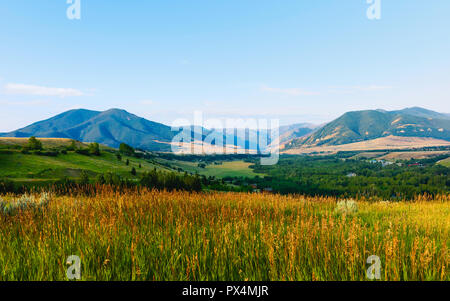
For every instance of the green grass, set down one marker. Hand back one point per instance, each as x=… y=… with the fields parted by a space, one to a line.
x=230 y=169
x=226 y=169
x=27 y=167
x=445 y=162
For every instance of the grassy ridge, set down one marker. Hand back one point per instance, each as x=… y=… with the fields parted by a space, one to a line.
x=22 y=167
x=16 y=165
x=26 y=167
x=46 y=142
x=154 y=235
x=445 y=162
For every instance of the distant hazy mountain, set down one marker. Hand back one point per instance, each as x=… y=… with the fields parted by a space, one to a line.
x=367 y=125
x=296 y=131
x=111 y=128
x=285 y=133
x=421 y=112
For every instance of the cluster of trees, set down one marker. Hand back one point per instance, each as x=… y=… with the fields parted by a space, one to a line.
x=153 y=179
x=112 y=179
x=328 y=175
x=92 y=150
x=35 y=146
x=171 y=181
x=86 y=182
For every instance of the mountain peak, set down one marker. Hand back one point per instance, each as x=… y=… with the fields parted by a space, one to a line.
x=110 y=127
x=116 y=110
x=422 y=112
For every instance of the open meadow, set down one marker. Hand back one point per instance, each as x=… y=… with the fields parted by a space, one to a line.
x=152 y=235
x=237 y=168
x=445 y=162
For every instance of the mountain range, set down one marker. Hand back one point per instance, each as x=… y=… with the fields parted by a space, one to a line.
x=115 y=126
x=366 y=125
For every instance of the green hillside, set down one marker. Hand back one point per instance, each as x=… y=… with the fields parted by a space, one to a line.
x=54 y=162
x=26 y=167
x=445 y=162
x=372 y=124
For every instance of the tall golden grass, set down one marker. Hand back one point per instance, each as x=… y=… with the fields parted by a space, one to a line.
x=153 y=235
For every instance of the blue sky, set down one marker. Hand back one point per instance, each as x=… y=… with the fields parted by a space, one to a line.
x=299 y=61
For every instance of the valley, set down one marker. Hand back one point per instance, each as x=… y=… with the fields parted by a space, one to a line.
x=189 y=148
x=388 y=174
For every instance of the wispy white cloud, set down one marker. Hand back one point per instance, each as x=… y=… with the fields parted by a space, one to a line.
x=291 y=91
x=22 y=89
x=356 y=89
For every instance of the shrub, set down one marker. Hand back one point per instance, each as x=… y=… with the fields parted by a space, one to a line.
x=65 y=181
x=94 y=149
x=72 y=146
x=6 y=186
x=114 y=179
x=33 y=144
x=48 y=153
x=126 y=149
x=84 y=178
x=100 y=179
x=83 y=151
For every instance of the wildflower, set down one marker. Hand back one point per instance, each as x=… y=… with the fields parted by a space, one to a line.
x=346 y=207
x=24 y=203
